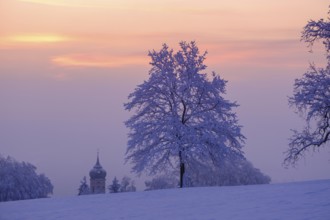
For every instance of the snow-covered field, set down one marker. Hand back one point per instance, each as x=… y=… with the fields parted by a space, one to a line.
x=301 y=200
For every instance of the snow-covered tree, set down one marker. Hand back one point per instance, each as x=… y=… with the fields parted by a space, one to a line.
x=115 y=186
x=180 y=115
x=83 y=188
x=127 y=185
x=19 y=181
x=311 y=98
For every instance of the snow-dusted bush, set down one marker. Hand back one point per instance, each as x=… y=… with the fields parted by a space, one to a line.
x=161 y=182
x=127 y=185
x=228 y=172
x=19 y=180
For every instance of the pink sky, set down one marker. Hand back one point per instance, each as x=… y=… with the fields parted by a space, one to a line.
x=67 y=66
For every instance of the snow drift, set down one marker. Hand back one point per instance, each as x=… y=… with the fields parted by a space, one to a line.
x=301 y=200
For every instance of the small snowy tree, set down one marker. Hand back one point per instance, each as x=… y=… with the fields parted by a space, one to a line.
x=127 y=185
x=311 y=98
x=19 y=181
x=83 y=188
x=115 y=186
x=180 y=115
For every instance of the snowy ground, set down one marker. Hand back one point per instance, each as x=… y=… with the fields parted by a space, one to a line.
x=301 y=200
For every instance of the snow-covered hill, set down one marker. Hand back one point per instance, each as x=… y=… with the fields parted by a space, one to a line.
x=301 y=200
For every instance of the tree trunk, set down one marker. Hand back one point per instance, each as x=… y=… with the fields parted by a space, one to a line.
x=182 y=170
x=181 y=174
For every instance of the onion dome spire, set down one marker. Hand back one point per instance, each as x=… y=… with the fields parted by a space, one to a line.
x=97 y=172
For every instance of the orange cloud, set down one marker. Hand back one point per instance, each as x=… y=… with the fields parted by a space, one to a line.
x=23 y=40
x=37 y=38
x=97 y=60
x=142 y=5
x=55 y=2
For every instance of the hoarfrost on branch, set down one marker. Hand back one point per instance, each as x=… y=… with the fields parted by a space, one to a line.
x=311 y=98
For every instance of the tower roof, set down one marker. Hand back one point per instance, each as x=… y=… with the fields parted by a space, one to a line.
x=97 y=172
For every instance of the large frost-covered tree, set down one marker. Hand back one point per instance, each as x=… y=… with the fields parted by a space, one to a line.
x=180 y=115
x=311 y=98
x=19 y=181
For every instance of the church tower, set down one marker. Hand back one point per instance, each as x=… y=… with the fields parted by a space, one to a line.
x=97 y=178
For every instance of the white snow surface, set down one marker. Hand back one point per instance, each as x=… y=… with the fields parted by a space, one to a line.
x=300 y=200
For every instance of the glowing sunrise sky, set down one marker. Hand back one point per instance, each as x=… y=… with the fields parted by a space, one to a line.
x=67 y=67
